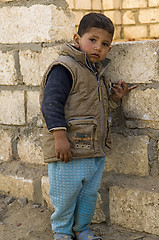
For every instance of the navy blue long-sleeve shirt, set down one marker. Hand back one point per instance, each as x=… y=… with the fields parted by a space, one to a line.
x=58 y=86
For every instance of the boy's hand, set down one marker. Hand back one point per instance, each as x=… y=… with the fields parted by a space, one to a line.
x=62 y=146
x=120 y=90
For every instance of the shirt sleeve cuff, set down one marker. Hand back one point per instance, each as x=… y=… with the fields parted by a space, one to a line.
x=57 y=128
x=114 y=105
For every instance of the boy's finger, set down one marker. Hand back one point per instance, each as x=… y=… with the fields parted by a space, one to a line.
x=132 y=87
x=58 y=155
x=116 y=88
x=125 y=85
x=66 y=158
x=120 y=82
x=62 y=157
x=69 y=156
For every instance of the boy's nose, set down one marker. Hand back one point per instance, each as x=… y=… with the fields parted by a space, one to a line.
x=98 y=47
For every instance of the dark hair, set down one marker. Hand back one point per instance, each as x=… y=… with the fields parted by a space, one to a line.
x=97 y=20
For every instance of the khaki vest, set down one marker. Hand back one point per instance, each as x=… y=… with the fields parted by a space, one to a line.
x=86 y=109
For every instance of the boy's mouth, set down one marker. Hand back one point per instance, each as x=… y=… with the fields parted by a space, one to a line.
x=95 y=55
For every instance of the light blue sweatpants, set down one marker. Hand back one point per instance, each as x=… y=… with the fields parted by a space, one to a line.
x=73 y=191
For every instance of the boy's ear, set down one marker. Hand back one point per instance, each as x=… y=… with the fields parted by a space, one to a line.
x=110 y=48
x=76 y=40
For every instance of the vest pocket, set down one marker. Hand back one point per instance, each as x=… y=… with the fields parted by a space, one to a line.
x=82 y=136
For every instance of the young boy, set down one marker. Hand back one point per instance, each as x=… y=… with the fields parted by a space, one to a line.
x=76 y=100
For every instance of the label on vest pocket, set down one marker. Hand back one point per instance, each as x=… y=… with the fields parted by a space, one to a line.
x=83 y=140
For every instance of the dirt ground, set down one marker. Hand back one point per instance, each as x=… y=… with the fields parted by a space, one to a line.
x=23 y=220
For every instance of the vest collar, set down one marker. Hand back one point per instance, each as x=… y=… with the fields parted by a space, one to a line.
x=70 y=50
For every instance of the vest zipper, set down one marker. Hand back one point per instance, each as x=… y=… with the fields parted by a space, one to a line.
x=100 y=100
x=102 y=112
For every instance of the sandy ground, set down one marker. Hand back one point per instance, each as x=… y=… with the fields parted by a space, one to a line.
x=21 y=220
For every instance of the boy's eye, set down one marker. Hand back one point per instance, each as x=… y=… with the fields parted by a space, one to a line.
x=105 y=44
x=92 y=39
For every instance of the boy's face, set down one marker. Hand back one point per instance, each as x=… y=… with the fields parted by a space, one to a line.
x=95 y=43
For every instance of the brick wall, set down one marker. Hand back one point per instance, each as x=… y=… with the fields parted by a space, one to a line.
x=133 y=19
x=31 y=35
